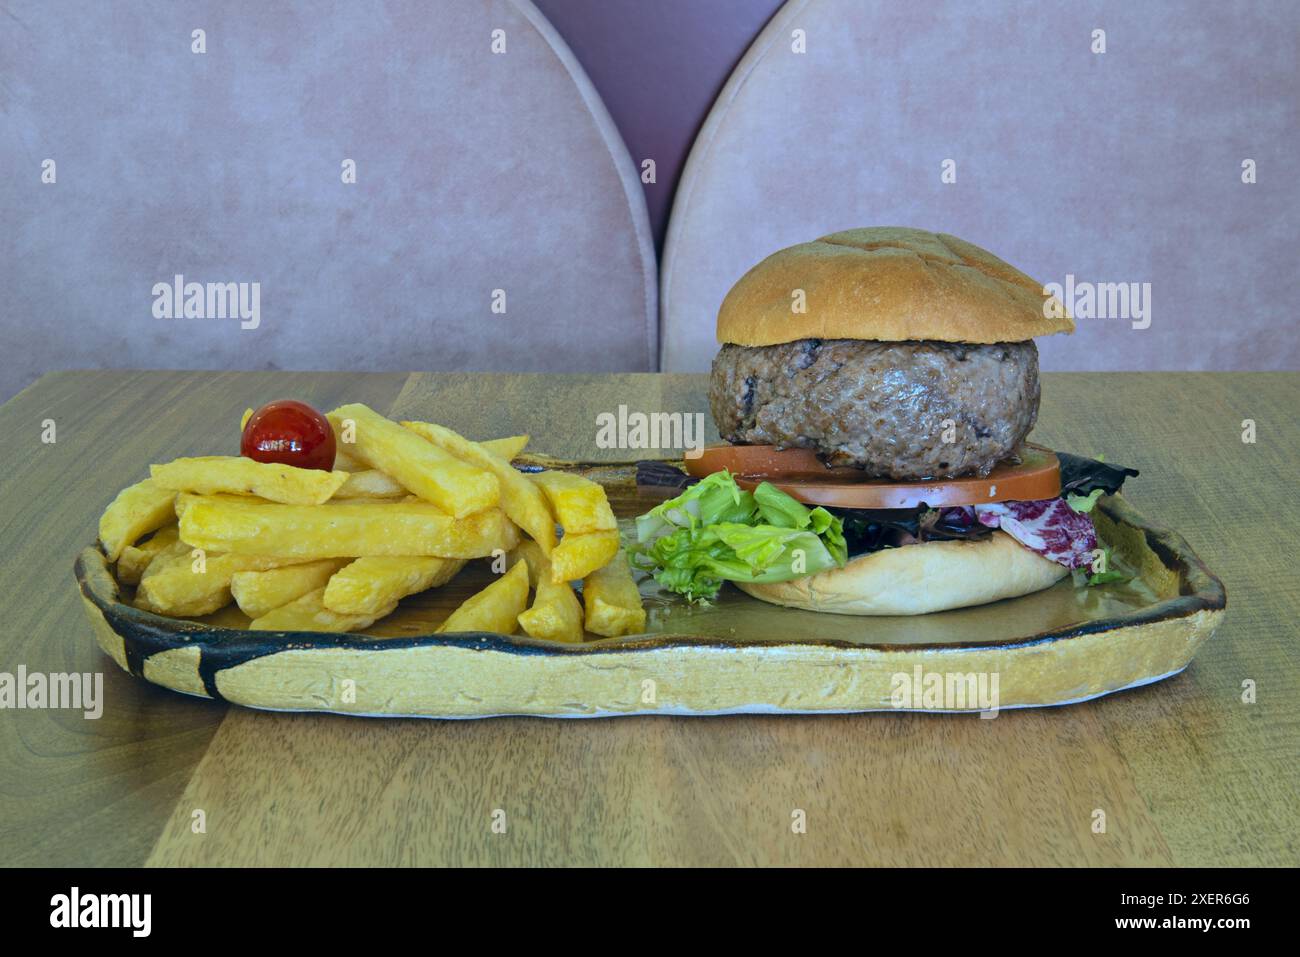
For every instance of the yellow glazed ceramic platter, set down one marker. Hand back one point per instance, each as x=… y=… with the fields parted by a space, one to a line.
x=738 y=655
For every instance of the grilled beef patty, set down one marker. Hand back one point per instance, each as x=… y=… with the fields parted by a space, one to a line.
x=880 y=406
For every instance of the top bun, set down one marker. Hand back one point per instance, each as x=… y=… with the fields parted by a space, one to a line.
x=888 y=284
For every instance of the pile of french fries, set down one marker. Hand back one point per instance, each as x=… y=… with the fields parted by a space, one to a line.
x=406 y=506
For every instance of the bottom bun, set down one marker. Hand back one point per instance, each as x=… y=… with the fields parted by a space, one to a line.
x=918 y=579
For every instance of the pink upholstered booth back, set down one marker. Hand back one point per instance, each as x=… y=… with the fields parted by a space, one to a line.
x=1164 y=169
x=495 y=220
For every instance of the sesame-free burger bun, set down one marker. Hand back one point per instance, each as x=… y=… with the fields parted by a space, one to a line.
x=919 y=579
x=888 y=284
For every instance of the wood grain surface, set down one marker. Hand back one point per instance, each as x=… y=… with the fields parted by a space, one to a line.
x=1185 y=771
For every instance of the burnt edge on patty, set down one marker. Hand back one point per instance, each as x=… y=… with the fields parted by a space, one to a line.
x=880 y=406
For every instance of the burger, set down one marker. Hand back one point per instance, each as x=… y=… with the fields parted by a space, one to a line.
x=875 y=389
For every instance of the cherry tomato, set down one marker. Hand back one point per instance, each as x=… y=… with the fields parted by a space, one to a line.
x=289 y=433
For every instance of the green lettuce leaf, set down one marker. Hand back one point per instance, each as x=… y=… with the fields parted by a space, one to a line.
x=716 y=531
x=1087 y=577
x=1084 y=503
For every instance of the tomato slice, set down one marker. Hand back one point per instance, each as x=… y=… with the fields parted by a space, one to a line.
x=799 y=473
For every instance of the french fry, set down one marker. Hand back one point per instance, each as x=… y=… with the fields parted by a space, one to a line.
x=577 y=556
x=555 y=612
x=138 y=510
x=309 y=613
x=344 y=460
x=259 y=592
x=496 y=608
x=580 y=504
x=243 y=420
x=237 y=475
x=612 y=601
x=370 y=483
x=508 y=448
x=520 y=498
x=168 y=554
x=133 y=561
x=179 y=583
x=427 y=470
x=369 y=584
x=345 y=530
x=185 y=499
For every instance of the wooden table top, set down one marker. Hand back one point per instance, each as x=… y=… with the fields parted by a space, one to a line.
x=1185 y=771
